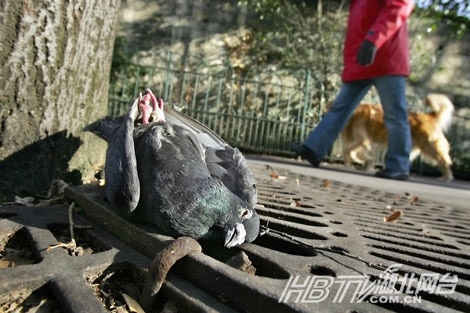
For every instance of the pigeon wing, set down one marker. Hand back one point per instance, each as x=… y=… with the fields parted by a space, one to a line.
x=224 y=162
x=122 y=181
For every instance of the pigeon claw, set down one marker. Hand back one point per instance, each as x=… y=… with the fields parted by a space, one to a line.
x=150 y=109
x=145 y=108
x=235 y=236
x=157 y=112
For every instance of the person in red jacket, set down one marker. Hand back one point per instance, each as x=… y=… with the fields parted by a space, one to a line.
x=375 y=54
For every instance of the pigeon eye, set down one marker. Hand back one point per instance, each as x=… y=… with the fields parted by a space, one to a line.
x=245 y=214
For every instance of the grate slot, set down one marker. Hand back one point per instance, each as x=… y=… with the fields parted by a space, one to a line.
x=290 y=217
x=452 y=229
x=17 y=249
x=291 y=229
x=403 y=233
x=405 y=240
x=457 y=236
x=290 y=207
x=442 y=250
x=293 y=209
x=378 y=222
x=426 y=256
x=403 y=258
x=280 y=244
x=86 y=243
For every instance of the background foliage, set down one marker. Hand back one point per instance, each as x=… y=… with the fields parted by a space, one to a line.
x=310 y=33
x=279 y=41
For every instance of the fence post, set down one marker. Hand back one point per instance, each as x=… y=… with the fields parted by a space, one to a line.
x=304 y=114
x=167 y=78
x=137 y=82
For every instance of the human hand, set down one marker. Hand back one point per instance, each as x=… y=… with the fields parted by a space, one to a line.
x=366 y=53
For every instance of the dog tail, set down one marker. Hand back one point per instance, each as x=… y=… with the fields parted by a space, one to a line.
x=442 y=108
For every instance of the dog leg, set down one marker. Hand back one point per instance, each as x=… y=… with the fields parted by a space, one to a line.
x=350 y=152
x=437 y=151
x=444 y=159
x=415 y=152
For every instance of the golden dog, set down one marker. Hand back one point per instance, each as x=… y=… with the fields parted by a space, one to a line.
x=366 y=131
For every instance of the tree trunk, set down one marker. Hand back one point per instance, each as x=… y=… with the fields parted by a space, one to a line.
x=55 y=59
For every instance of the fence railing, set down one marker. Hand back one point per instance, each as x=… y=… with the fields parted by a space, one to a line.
x=258 y=112
x=261 y=112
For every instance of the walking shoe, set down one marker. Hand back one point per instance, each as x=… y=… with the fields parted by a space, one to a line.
x=392 y=175
x=306 y=154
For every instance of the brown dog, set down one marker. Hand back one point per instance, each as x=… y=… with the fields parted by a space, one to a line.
x=366 y=131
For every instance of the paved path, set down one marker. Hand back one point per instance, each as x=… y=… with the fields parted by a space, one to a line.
x=455 y=193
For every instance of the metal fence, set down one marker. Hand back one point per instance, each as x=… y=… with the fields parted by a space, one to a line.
x=260 y=112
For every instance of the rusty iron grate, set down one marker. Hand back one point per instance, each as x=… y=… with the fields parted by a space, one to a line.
x=309 y=215
x=313 y=228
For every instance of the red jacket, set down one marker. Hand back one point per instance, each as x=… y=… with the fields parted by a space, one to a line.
x=383 y=22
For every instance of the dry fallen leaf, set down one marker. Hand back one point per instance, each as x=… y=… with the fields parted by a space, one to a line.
x=394 y=216
x=295 y=203
x=242 y=262
x=132 y=304
x=414 y=200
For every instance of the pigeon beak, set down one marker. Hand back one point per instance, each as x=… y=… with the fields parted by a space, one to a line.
x=235 y=236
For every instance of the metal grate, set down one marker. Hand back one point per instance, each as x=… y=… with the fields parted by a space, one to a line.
x=315 y=230
x=344 y=224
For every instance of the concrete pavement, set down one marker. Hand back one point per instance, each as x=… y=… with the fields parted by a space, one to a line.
x=455 y=193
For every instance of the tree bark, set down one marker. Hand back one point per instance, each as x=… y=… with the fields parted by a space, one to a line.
x=55 y=59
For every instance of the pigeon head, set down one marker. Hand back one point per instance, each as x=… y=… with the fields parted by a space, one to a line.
x=246 y=231
x=251 y=227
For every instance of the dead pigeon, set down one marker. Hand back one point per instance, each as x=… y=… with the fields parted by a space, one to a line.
x=166 y=169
